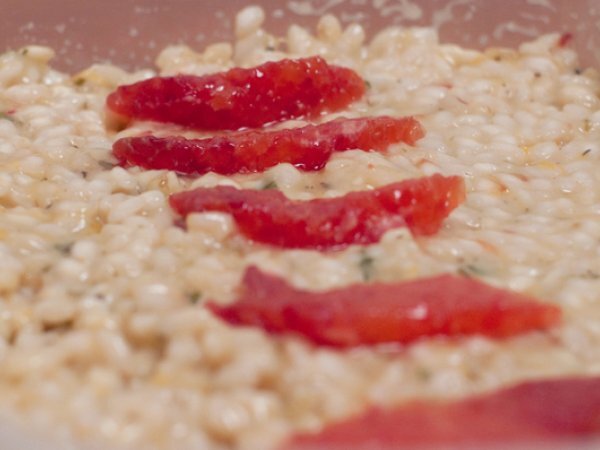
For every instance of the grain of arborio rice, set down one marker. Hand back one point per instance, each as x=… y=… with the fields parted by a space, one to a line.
x=103 y=336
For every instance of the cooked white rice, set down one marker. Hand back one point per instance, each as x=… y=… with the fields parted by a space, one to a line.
x=103 y=336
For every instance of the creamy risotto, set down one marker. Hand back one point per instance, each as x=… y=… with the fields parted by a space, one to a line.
x=103 y=334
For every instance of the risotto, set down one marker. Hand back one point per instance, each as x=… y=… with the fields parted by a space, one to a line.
x=103 y=334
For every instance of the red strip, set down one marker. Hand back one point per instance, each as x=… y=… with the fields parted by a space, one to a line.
x=377 y=313
x=307 y=148
x=560 y=414
x=273 y=91
x=356 y=218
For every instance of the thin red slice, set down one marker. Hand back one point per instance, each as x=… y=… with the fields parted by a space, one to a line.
x=308 y=148
x=241 y=97
x=377 y=313
x=561 y=413
x=331 y=223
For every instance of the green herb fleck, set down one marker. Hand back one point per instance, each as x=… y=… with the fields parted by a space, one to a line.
x=58 y=328
x=106 y=165
x=368 y=84
x=79 y=81
x=366 y=265
x=578 y=71
x=7 y=116
x=423 y=373
x=470 y=271
x=64 y=248
x=270 y=48
x=472 y=374
x=194 y=297
x=24 y=51
x=586 y=152
x=269 y=185
x=591 y=275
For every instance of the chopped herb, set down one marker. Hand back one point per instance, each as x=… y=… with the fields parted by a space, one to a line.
x=270 y=185
x=586 y=152
x=470 y=271
x=7 y=116
x=471 y=374
x=79 y=81
x=577 y=71
x=194 y=297
x=368 y=84
x=84 y=174
x=366 y=266
x=61 y=327
x=106 y=165
x=423 y=373
x=270 y=48
x=325 y=185
x=64 y=248
x=24 y=51
x=591 y=275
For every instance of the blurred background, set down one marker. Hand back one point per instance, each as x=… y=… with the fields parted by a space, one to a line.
x=131 y=32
